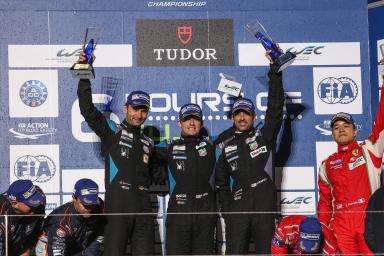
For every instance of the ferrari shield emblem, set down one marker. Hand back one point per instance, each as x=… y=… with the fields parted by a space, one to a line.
x=184 y=33
x=355 y=152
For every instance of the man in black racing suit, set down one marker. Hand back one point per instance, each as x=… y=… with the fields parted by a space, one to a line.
x=191 y=161
x=127 y=154
x=75 y=228
x=26 y=200
x=242 y=179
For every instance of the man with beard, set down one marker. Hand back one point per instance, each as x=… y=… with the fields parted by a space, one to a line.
x=242 y=179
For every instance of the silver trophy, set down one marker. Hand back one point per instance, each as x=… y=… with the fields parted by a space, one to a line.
x=84 y=70
x=282 y=59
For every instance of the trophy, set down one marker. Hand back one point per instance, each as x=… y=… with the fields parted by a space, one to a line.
x=84 y=70
x=282 y=59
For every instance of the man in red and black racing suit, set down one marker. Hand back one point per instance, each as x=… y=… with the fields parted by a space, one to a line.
x=348 y=178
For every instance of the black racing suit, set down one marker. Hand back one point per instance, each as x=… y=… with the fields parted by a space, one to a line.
x=127 y=177
x=242 y=179
x=69 y=234
x=374 y=222
x=191 y=162
x=23 y=231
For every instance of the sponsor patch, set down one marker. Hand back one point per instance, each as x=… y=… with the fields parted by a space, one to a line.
x=145 y=142
x=179 y=147
x=145 y=149
x=202 y=152
x=233 y=158
x=337 y=161
x=122 y=143
x=180 y=165
x=234 y=166
x=277 y=242
x=202 y=144
x=61 y=233
x=359 y=161
x=253 y=145
x=259 y=151
x=230 y=148
x=180 y=157
x=251 y=139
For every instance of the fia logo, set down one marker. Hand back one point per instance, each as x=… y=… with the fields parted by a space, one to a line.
x=341 y=90
x=38 y=168
x=33 y=93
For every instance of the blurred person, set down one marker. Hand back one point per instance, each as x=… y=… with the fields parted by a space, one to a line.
x=348 y=178
x=374 y=222
x=127 y=152
x=73 y=229
x=301 y=235
x=242 y=179
x=24 y=200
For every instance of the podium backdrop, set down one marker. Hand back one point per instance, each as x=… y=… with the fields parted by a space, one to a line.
x=175 y=50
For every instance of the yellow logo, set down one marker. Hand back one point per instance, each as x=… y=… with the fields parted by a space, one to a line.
x=355 y=152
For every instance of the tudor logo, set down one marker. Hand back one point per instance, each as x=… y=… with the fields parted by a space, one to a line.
x=159 y=45
x=184 y=33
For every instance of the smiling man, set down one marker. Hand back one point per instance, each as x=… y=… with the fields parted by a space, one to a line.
x=191 y=161
x=242 y=179
x=348 y=178
x=127 y=152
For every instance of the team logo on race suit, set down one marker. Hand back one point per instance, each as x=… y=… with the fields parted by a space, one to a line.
x=33 y=93
x=355 y=152
x=202 y=152
x=332 y=90
x=184 y=33
x=124 y=152
x=61 y=233
x=180 y=165
x=38 y=168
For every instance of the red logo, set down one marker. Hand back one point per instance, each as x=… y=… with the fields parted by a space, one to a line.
x=184 y=33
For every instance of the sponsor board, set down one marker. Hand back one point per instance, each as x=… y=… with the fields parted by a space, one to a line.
x=39 y=163
x=28 y=94
x=298 y=203
x=185 y=42
x=71 y=176
x=337 y=89
x=33 y=130
x=53 y=201
x=33 y=93
x=380 y=56
x=292 y=177
x=63 y=56
x=318 y=53
x=77 y=119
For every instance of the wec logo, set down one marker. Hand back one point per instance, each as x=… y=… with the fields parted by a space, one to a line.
x=297 y=200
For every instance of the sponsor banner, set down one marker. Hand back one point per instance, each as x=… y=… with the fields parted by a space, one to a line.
x=39 y=163
x=33 y=130
x=298 y=203
x=33 y=93
x=63 y=56
x=53 y=201
x=343 y=53
x=71 y=176
x=196 y=42
x=337 y=89
x=292 y=177
x=380 y=56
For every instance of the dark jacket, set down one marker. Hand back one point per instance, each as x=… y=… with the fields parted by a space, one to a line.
x=23 y=231
x=374 y=222
x=127 y=155
x=71 y=234
x=243 y=170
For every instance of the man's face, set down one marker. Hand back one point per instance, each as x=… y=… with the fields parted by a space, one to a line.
x=135 y=116
x=243 y=120
x=343 y=133
x=84 y=210
x=190 y=126
x=21 y=208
